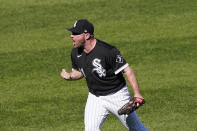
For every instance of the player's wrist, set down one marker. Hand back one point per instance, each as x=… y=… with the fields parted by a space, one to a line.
x=70 y=78
x=138 y=96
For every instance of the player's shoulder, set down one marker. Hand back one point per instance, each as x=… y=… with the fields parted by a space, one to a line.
x=105 y=46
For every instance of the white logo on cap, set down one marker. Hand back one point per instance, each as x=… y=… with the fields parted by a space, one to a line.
x=75 y=24
x=85 y=31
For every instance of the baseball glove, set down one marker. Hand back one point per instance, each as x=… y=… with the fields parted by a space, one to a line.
x=131 y=106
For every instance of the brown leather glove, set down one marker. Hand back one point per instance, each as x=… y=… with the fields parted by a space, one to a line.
x=131 y=106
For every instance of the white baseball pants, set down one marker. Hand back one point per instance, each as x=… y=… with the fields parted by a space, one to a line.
x=97 y=109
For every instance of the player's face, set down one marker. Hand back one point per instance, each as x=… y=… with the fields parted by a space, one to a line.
x=78 y=39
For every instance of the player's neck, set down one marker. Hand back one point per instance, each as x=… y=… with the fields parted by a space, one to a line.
x=89 y=45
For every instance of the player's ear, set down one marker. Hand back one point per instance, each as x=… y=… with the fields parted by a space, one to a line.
x=87 y=36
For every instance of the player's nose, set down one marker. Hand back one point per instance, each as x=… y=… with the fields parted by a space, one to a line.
x=71 y=36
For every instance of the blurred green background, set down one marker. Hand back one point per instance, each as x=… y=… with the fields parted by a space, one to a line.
x=158 y=38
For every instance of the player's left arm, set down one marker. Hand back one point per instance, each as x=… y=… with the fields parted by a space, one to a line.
x=132 y=81
x=137 y=100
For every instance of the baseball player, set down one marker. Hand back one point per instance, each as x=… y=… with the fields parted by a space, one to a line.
x=103 y=67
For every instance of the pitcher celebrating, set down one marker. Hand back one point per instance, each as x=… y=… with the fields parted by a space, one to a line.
x=103 y=66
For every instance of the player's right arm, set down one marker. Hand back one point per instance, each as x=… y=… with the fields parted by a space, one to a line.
x=74 y=75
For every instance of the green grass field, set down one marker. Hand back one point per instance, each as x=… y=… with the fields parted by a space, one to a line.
x=158 y=38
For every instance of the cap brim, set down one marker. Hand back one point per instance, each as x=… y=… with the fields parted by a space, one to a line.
x=73 y=30
x=70 y=29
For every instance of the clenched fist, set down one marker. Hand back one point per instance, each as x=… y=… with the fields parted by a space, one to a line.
x=64 y=74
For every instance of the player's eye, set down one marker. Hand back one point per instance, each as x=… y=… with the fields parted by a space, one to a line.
x=74 y=33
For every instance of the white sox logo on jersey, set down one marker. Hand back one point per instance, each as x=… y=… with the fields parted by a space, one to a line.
x=98 y=67
x=119 y=59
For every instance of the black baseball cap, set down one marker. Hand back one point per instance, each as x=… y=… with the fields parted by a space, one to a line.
x=82 y=26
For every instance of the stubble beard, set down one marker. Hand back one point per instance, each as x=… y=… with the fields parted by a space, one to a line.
x=80 y=44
